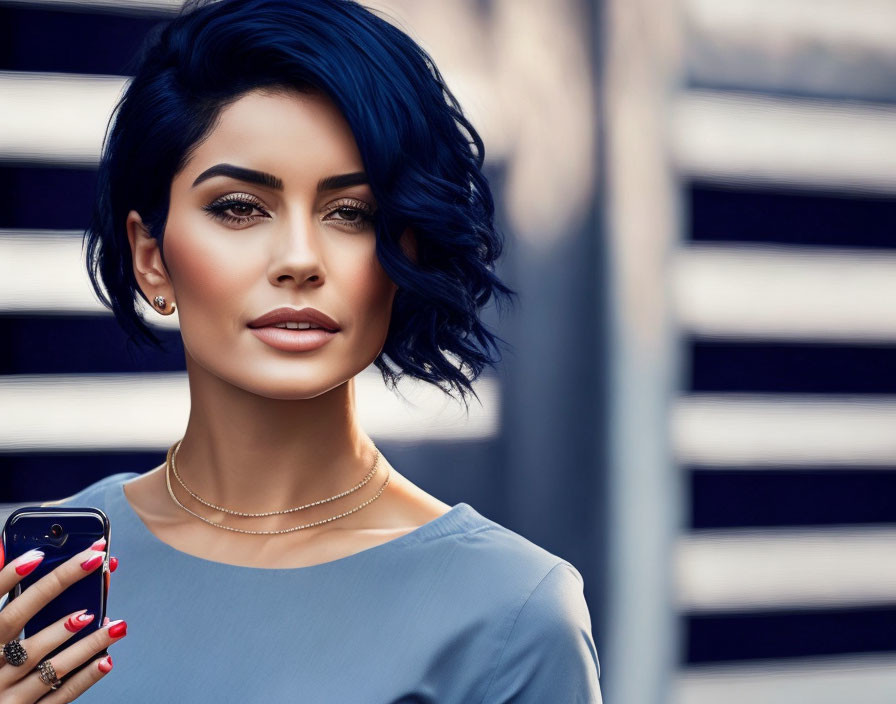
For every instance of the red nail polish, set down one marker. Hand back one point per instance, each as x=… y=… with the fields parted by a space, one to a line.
x=77 y=621
x=99 y=544
x=117 y=629
x=113 y=564
x=105 y=664
x=92 y=563
x=29 y=561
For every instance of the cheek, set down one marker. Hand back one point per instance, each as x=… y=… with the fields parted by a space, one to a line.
x=373 y=292
x=208 y=275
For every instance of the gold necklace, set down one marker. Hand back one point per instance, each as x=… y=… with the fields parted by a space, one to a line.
x=366 y=479
x=269 y=532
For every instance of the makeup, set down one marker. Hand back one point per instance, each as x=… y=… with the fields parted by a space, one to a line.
x=293 y=340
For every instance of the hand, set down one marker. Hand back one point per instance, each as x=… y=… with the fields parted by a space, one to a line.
x=22 y=684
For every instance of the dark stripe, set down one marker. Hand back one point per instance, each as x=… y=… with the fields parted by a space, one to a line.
x=789 y=634
x=727 y=213
x=46 y=197
x=869 y=82
x=735 y=498
x=798 y=367
x=67 y=40
x=41 y=477
x=86 y=344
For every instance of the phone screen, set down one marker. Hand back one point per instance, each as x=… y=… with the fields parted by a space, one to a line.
x=60 y=533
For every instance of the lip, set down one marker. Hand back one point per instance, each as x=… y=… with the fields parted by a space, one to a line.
x=293 y=315
x=293 y=340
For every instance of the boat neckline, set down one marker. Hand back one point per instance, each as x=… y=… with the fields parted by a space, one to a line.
x=451 y=522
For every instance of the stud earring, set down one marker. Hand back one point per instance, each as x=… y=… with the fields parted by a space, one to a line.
x=160 y=304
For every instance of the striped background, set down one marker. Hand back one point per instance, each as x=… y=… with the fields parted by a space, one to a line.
x=754 y=542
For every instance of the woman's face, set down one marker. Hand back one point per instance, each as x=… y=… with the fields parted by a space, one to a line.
x=239 y=245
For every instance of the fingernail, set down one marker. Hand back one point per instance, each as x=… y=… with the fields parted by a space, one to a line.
x=105 y=664
x=118 y=628
x=106 y=621
x=28 y=562
x=99 y=544
x=113 y=564
x=92 y=563
x=77 y=621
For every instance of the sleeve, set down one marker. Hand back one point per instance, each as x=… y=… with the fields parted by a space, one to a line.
x=549 y=655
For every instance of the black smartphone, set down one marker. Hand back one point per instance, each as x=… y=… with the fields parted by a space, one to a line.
x=60 y=533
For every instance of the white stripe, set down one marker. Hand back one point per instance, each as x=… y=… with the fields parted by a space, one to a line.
x=742 y=430
x=62 y=118
x=126 y=6
x=863 y=679
x=56 y=118
x=150 y=411
x=785 y=292
x=784 y=141
x=748 y=569
x=778 y=27
x=46 y=272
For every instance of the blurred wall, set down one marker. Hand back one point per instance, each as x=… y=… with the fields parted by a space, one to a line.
x=750 y=209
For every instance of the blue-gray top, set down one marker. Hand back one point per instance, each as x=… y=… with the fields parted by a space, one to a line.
x=460 y=610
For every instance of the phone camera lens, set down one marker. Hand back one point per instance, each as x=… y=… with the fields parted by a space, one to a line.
x=56 y=530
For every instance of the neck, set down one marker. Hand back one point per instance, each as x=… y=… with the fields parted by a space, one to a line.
x=255 y=454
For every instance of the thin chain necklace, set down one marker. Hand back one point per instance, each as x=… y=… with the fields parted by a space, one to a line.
x=364 y=481
x=268 y=532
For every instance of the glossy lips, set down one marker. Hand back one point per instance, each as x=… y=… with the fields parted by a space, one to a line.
x=293 y=340
x=291 y=315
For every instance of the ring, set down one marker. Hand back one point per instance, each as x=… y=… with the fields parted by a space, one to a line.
x=48 y=674
x=14 y=652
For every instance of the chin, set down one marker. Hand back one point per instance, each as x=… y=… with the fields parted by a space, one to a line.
x=290 y=388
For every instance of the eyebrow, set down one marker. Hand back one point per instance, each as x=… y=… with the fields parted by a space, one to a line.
x=260 y=178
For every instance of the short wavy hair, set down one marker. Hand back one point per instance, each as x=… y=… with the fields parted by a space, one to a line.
x=422 y=156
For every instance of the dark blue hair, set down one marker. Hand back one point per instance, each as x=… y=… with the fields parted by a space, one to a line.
x=422 y=156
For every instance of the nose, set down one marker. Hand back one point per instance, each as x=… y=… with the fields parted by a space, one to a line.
x=295 y=253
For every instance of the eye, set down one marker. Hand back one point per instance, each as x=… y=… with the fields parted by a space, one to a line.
x=240 y=207
x=355 y=214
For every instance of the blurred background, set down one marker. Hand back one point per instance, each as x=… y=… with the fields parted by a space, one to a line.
x=698 y=406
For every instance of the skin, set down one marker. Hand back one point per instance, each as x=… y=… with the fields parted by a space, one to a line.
x=269 y=429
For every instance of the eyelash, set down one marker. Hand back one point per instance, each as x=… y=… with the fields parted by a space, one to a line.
x=218 y=210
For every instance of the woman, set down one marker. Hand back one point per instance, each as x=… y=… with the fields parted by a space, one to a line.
x=275 y=165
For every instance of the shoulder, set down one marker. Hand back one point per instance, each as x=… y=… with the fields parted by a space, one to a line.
x=499 y=552
x=546 y=645
x=93 y=494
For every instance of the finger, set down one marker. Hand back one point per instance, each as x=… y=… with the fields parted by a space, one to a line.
x=43 y=642
x=64 y=662
x=78 y=683
x=17 y=612
x=23 y=565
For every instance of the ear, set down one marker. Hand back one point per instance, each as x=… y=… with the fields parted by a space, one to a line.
x=149 y=270
x=408 y=243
